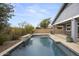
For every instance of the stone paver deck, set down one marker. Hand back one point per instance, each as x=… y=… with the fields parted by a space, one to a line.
x=70 y=45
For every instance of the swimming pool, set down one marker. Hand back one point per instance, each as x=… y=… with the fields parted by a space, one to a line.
x=38 y=46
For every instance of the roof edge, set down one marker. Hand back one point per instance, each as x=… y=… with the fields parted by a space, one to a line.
x=60 y=11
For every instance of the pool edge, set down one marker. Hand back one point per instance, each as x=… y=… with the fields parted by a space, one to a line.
x=5 y=52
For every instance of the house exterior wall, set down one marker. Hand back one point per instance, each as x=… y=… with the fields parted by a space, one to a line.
x=69 y=21
x=59 y=29
x=70 y=11
x=65 y=28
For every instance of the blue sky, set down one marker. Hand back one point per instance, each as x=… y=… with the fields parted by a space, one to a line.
x=33 y=13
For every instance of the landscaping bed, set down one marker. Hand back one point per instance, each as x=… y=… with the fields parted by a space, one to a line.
x=8 y=44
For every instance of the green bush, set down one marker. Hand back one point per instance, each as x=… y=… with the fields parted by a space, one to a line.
x=69 y=39
x=51 y=32
x=2 y=39
x=14 y=35
x=29 y=29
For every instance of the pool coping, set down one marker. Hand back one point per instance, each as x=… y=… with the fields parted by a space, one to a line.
x=15 y=45
x=70 y=45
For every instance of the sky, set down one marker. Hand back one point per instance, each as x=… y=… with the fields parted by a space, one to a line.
x=33 y=13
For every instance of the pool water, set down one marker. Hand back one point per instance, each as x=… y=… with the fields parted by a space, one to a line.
x=39 y=46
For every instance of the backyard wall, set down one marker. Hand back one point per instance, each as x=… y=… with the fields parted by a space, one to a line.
x=43 y=30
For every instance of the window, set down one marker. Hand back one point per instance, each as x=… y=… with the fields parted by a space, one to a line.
x=68 y=28
x=78 y=29
x=78 y=23
x=59 y=27
x=68 y=25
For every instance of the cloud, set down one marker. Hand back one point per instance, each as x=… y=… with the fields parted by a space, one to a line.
x=36 y=10
x=31 y=11
x=44 y=11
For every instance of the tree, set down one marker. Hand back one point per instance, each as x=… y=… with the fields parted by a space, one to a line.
x=22 y=24
x=6 y=12
x=29 y=29
x=44 y=23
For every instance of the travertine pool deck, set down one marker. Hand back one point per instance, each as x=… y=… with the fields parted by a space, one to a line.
x=71 y=45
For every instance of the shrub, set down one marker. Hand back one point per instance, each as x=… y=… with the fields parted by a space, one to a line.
x=69 y=39
x=14 y=35
x=29 y=29
x=2 y=39
x=51 y=32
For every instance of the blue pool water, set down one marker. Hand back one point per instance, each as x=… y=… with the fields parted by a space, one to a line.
x=38 y=46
